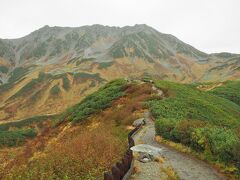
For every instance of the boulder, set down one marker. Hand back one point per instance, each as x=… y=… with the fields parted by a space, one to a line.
x=147 y=149
x=159 y=92
x=146 y=153
x=154 y=88
x=139 y=122
x=145 y=157
x=145 y=160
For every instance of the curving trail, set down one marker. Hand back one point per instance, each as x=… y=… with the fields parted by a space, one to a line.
x=186 y=167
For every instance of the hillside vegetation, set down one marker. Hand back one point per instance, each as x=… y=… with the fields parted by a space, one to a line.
x=230 y=90
x=45 y=93
x=208 y=123
x=14 y=138
x=87 y=139
x=16 y=133
x=96 y=101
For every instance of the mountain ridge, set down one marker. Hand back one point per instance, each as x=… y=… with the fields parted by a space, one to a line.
x=72 y=62
x=167 y=42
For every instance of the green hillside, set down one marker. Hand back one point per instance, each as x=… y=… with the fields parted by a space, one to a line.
x=206 y=122
x=230 y=90
x=96 y=101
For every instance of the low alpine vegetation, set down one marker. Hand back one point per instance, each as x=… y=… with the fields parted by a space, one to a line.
x=230 y=90
x=15 y=138
x=206 y=122
x=86 y=150
x=96 y=101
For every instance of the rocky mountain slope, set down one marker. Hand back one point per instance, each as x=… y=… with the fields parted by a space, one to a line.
x=54 y=67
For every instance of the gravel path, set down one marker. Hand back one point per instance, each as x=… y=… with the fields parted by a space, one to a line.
x=187 y=168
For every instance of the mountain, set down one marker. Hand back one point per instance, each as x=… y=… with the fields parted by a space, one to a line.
x=54 y=67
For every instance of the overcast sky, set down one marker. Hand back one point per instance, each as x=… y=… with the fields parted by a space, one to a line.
x=209 y=25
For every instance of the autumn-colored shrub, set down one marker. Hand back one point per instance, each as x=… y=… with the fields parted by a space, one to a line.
x=183 y=129
x=82 y=154
x=87 y=149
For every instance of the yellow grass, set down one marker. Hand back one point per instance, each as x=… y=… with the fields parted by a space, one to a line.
x=159 y=159
x=171 y=174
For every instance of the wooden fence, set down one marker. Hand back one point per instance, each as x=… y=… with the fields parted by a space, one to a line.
x=119 y=170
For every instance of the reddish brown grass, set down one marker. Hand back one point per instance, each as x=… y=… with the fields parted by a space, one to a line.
x=86 y=150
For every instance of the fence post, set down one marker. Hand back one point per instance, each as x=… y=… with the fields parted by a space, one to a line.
x=121 y=168
x=128 y=161
x=130 y=154
x=116 y=173
x=125 y=162
x=108 y=176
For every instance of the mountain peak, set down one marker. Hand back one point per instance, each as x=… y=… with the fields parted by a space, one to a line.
x=45 y=27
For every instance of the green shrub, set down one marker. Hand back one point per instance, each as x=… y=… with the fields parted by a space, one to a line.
x=105 y=65
x=6 y=87
x=219 y=141
x=15 y=138
x=199 y=140
x=212 y=124
x=97 y=101
x=3 y=69
x=17 y=74
x=236 y=153
x=183 y=129
x=30 y=86
x=23 y=123
x=164 y=127
x=66 y=82
x=230 y=90
x=80 y=76
x=55 y=90
x=186 y=102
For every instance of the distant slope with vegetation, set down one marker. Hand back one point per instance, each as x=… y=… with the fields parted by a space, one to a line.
x=78 y=60
x=96 y=101
x=229 y=90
